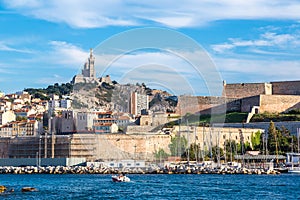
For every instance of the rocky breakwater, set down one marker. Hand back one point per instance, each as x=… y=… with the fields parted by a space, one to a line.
x=178 y=169
x=181 y=169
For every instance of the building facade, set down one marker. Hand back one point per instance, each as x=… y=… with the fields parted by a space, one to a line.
x=138 y=102
x=88 y=72
x=7 y=116
x=105 y=123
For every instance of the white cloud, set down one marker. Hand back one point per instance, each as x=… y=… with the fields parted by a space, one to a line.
x=93 y=13
x=67 y=54
x=6 y=47
x=57 y=53
x=268 y=39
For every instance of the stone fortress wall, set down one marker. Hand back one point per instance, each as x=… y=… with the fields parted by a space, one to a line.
x=286 y=88
x=279 y=103
x=243 y=90
x=206 y=104
x=274 y=97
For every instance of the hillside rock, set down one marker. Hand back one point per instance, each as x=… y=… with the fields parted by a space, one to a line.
x=95 y=95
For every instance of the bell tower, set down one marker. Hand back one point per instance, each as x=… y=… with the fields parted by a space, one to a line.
x=89 y=67
x=91 y=63
x=88 y=72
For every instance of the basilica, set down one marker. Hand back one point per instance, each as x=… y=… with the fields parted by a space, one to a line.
x=88 y=73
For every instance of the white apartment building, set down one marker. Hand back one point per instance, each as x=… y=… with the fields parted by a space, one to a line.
x=7 y=116
x=138 y=102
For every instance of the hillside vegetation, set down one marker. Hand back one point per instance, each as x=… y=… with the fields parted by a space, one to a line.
x=202 y=120
x=58 y=89
x=275 y=117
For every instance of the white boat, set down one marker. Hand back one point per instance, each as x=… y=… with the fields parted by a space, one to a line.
x=293 y=162
x=294 y=170
x=120 y=178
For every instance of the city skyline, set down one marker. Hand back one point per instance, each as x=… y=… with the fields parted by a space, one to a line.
x=43 y=43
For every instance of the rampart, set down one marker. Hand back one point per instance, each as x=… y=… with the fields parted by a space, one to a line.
x=248 y=103
x=274 y=97
x=243 y=90
x=123 y=146
x=206 y=104
x=266 y=103
x=286 y=88
x=279 y=103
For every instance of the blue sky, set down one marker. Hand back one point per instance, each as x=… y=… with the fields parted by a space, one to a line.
x=44 y=42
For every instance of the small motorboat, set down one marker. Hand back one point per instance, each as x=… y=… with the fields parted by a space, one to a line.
x=120 y=178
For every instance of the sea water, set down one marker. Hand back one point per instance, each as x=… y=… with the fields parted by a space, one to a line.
x=153 y=186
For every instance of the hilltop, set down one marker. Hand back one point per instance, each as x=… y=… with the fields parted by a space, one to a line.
x=109 y=95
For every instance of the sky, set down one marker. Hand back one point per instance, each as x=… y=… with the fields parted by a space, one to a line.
x=47 y=42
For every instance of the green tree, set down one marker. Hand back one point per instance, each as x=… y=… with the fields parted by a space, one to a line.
x=272 y=138
x=294 y=143
x=279 y=140
x=256 y=140
x=235 y=148
x=161 y=154
x=231 y=150
x=20 y=118
x=178 y=145
x=194 y=152
x=247 y=146
x=217 y=153
x=284 y=140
